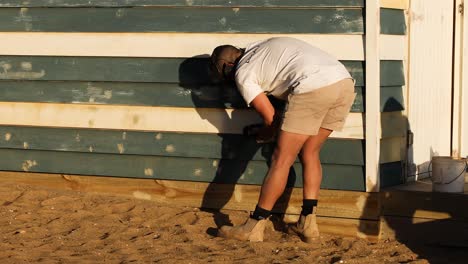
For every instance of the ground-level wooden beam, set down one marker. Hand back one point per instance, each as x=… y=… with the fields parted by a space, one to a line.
x=345 y=204
x=343 y=213
x=390 y=214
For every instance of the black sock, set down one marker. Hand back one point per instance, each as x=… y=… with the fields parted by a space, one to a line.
x=308 y=206
x=260 y=213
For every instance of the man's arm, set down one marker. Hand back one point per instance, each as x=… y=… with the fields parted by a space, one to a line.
x=262 y=104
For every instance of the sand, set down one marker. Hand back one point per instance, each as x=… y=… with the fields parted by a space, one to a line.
x=40 y=225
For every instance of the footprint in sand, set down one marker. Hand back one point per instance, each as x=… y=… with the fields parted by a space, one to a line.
x=124 y=207
x=63 y=203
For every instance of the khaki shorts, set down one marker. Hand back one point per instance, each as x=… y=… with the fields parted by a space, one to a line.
x=326 y=107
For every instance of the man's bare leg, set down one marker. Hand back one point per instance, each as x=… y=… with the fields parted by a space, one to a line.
x=288 y=146
x=311 y=166
x=307 y=227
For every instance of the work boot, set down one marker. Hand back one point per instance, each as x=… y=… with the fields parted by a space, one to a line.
x=252 y=230
x=306 y=228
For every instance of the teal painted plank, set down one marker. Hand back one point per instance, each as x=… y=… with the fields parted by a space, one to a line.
x=168 y=168
x=391 y=174
x=156 y=94
x=391 y=73
x=183 y=19
x=121 y=93
x=392 y=21
x=187 y=72
x=142 y=94
x=395 y=125
x=206 y=3
x=221 y=146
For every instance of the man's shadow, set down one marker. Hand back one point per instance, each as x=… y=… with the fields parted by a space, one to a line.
x=236 y=150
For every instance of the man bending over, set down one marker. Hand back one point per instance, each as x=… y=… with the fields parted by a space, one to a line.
x=319 y=92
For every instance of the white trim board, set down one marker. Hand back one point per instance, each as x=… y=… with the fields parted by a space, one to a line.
x=184 y=45
x=460 y=91
x=372 y=115
x=464 y=90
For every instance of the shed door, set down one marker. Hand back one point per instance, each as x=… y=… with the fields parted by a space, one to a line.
x=430 y=82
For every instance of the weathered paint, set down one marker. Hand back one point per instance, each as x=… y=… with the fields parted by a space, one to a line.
x=185 y=71
x=342 y=177
x=155 y=94
x=183 y=19
x=220 y=146
x=198 y=120
x=195 y=3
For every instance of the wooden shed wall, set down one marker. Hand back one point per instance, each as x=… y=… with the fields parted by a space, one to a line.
x=123 y=89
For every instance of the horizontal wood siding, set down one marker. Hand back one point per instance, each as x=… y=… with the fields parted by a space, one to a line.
x=128 y=111
x=344 y=177
x=162 y=74
x=196 y=19
x=144 y=118
x=392 y=21
x=198 y=3
x=393 y=150
x=173 y=45
x=155 y=94
x=165 y=70
x=186 y=71
x=182 y=19
x=392 y=174
x=190 y=19
x=221 y=146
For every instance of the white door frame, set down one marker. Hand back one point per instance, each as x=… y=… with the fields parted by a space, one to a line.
x=460 y=84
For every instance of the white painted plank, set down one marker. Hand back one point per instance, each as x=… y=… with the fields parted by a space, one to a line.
x=393 y=47
x=430 y=81
x=372 y=115
x=395 y=4
x=202 y=120
x=344 y=47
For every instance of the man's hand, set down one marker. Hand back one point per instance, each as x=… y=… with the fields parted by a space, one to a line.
x=263 y=134
x=267 y=134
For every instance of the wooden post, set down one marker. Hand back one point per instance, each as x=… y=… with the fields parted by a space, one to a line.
x=457 y=80
x=464 y=89
x=460 y=84
x=372 y=120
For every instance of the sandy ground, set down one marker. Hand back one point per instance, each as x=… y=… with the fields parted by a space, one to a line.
x=49 y=226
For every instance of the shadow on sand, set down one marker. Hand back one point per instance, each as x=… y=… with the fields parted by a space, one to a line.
x=432 y=225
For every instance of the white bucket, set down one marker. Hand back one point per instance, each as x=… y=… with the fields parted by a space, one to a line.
x=448 y=174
